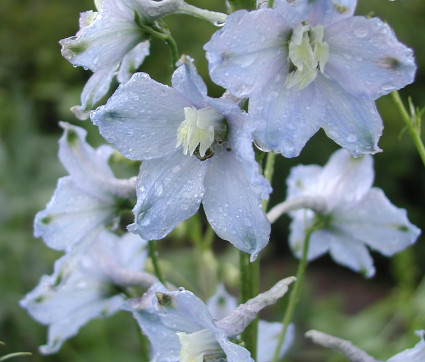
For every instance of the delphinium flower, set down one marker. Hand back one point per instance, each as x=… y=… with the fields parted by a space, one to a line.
x=87 y=284
x=222 y=304
x=86 y=201
x=415 y=354
x=307 y=65
x=180 y=327
x=110 y=43
x=354 y=215
x=194 y=149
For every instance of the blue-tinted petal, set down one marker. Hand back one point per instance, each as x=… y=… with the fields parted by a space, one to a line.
x=141 y=118
x=248 y=51
x=345 y=180
x=379 y=224
x=351 y=252
x=302 y=181
x=106 y=40
x=169 y=190
x=94 y=90
x=268 y=336
x=352 y=122
x=72 y=215
x=78 y=290
x=366 y=59
x=221 y=304
x=132 y=61
x=324 y=12
x=187 y=81
x=415 y=354
x=233 y=205
x=89 y=167
x=290 y=118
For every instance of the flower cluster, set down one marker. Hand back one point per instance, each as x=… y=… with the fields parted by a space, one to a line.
x=301 y=65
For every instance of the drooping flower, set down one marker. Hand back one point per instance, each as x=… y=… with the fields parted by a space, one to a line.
x=180 y=327
x=87 y=200
x=356 y=215
x=110 y=43
x=415 y=354
x=194 y=149
x=86 y=284
x=307 y=65
x=222 y=304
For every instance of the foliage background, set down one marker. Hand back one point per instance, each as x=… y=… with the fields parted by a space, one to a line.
x=37 y=88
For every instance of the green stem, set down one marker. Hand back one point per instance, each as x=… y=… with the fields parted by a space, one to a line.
x=295 y=293
x=154 y=257
x=242 y=4
x=413 y=124
x=250 y=273
x=249 y=289
x=271 y=3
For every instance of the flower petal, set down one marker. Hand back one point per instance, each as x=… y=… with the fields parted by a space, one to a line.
x=268 y=336
x=415 y=354
x=233 y=205
x=379 y=224
x=352 y=122
x=94 y=90
x=169 y=190
x=141 y=118
x=290 y=118
x=89 y=167
x=352 y=253
x=132 y=61
x=366 y=59
x=324 y=12
x=221 y=304
x=345 y=180
x=104 y=41
x=71 y=215
x=246 y=53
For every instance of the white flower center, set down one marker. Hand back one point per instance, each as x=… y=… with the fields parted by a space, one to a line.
x=307 y=53
x=199 y=346
x=200 y=128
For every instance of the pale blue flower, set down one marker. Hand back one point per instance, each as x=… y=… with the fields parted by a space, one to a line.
x=415 y=354
x=85 y=285
x=222 y=304
x=110 y=43
x=307 y=65
x=180 y=327
x=356 y=215
x=194 y=149
x=87 y=200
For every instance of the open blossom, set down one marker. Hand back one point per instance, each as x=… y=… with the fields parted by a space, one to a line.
x=87 y=200
x=356 y=214
x=194 y=149
x=180 y=327
x=85 y=285
x=307 y=65
x=110 y=43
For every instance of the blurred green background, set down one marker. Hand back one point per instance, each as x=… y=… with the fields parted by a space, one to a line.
x=37 y=88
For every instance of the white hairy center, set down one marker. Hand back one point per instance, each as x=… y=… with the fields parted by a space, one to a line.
x=199 y=128
x=308 y=53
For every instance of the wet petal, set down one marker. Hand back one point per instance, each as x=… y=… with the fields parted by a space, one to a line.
x=141 y=118
x=94 y=90
x=290 y=118
x=246 y=53
x=233 y=205
x=72 y=215
x=379 y=224
x=366 y=59
x=323 y=12
x=132 y=61
x=352 y=122
x=169 y=190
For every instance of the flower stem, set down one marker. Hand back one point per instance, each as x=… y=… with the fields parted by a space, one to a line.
x=295 y=293
x=212 y=16
x=153 y=254
x=271 y=3
x=249 y=289
x=268 y=173
x=413 y=124
x=242 y=4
